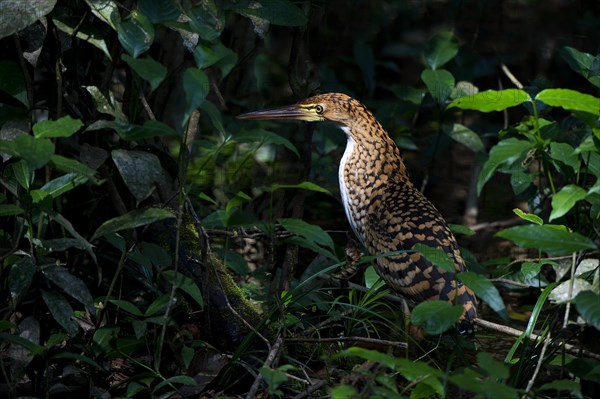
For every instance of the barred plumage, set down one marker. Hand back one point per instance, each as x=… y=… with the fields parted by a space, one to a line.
x=385 y=210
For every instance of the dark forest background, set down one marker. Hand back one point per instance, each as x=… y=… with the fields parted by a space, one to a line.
x=153 y=245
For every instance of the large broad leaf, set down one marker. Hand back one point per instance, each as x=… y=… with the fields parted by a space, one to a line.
x=436 y=317
x=71 y=285
x=505 y=153
x=277 y=12
x=309 y=231
x=209 y=54
x=86 y=32
x=441 y=49
x=61 y=311
x=159 y=11
x=588 y=305
x=207 y=20
x=63 y=127
x=464 y=135
x=436 y=256
x=140 y=171
x=36 y=152
x=133 y=219
x=12 y=81
x=57 y=187
x=195 y=86
x=185 y=284
x=492 y=100
x=20 y=278
x=583 y=63
x=136 y=34
x=17 y=15
x=151 y=71
x=107 y=11
x=571 y=100
x=565 y=199
x=567 y=290
x=484 y=289
x=548 y=238
x=565 y=154
x=22 y=173
x=440 y=83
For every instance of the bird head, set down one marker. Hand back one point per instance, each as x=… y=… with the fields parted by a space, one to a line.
x=332 y=107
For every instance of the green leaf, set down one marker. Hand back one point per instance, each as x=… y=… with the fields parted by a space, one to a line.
x=36 y=152
x=207 y=20
x=159 y=11
x=440 y=83
x=130 y=132
x=131 y=220
x=158 y=305
x=209 y=54
x=127 y=306
x=17 y=15
x=22 y=173
x=71 y=285
x=562 y=385
x=484 y=289
x=73 y=166
x=20 y=278
x=492 y=367
x=492 y=100
x=564 y=153
x=309 y=231
x=436 y=256
x=60 y=219
x=547 y=238
x=107 y=11
x=195 y=86
x=372 y=279
x=276 y=12
x=106 y=105
x=61 y=311
x=151 y=71
x=505 y=153
x=10 y=210
x=464 y=135
x=185 y=284
x=565 y=199
x=461 y=229
x=265 y=137
x=136 y=34
x=311 y=245
x=440 y=49
x=86 y=32
x=436 y=317
x=588 y=305
x=306 y=185
x=140 y=171
x=12 y=80
x=59 y=186
x=571 y=100
x=530 y=217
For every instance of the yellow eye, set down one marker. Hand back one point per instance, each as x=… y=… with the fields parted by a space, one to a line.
x=319 y=108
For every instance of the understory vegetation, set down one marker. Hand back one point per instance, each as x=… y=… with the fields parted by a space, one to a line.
x=152 y=245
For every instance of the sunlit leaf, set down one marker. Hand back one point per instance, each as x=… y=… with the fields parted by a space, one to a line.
x=530 y=217
x=492 y=100
x=571 y=100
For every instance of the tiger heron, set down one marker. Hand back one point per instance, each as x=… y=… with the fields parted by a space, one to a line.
x=383 y=207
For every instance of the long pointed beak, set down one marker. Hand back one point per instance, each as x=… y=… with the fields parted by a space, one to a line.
x=289 y=112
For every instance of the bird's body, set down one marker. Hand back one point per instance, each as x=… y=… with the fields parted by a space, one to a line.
x=385 y=210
